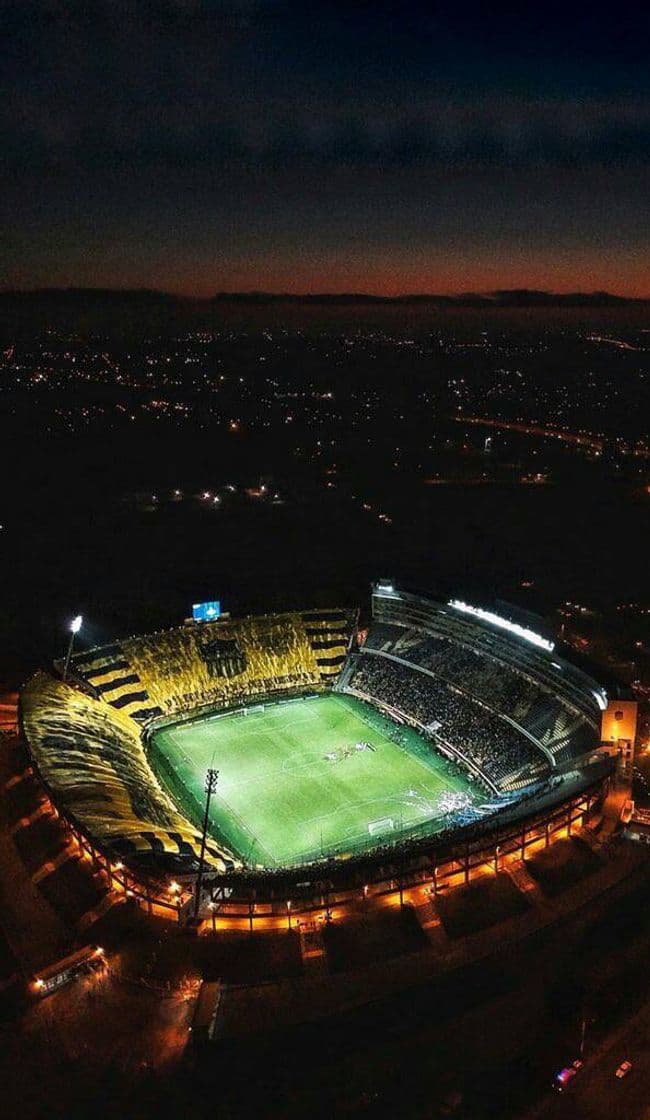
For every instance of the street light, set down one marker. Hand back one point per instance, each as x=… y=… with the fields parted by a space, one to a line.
x=75 y=627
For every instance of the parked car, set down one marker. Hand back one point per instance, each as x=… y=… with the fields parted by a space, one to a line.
x=624 y=1069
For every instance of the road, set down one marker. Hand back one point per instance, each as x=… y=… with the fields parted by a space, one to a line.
x=596 y=1093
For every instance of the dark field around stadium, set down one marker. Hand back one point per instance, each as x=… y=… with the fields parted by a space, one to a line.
x=140 y=569
x=305 y=779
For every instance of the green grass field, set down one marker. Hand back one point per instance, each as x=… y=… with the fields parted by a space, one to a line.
x=293 y=785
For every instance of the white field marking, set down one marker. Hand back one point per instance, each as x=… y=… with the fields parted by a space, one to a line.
x=270 y=724
x=290 y=763
x=241 y=727
x=227 y=810
x=238 y=787
x=386 y=799
x=240 y=733
x=315 y=760
x=274 y=715
x=289 y=811
x=295 y=822
x=308 y=758
x=351 y=832
x=318 y=765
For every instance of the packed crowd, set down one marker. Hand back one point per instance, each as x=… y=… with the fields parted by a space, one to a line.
x=563 y=679
x=494 y=746
x=559 y=728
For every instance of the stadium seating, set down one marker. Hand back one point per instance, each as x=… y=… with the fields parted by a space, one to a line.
x=553 y=703
x=429 y=619
x=217 y=663
x=493 y=745
x=509 y=714
x=92 y=760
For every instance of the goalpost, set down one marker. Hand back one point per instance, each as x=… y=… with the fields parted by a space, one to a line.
x=385 y=824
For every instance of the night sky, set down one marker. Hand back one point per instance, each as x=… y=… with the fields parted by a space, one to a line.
x=377 y=147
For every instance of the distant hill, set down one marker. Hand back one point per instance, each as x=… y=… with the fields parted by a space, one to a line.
x=112 y=297
x=130 y=313
x=516 y=297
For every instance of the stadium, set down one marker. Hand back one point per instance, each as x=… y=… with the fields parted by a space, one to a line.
x=441 y=737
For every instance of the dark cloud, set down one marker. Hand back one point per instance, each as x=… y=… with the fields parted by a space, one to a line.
x=132 y=120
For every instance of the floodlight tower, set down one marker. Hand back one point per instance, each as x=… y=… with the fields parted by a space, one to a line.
x=75 y=627
x=211 y=779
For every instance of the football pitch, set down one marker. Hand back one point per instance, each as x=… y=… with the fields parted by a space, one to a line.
x=304 y=779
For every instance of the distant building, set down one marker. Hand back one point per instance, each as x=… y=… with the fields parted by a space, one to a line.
x=618 y=729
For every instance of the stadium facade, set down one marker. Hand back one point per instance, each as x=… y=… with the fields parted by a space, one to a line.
x=514 y=718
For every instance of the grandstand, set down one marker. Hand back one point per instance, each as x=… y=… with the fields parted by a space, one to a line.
x=195 y=666
x=91 y=758
x=551 y=702
x=495 y=748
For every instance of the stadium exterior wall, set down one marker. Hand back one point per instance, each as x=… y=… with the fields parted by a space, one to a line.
x=463 y=850
x=443 y=860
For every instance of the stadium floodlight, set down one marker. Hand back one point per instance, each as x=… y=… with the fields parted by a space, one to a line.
x=211 y=779
x=504 y=624
x=75 y=627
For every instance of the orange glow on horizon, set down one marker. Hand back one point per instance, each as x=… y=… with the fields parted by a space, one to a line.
x=387 y=273
x=420 y=271
x=394 y=286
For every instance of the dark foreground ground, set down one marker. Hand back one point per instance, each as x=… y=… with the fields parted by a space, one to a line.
x=484 y=1040
x=479 y=1020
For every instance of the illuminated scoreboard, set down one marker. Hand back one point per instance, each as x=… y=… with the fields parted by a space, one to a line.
x=206 y=612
